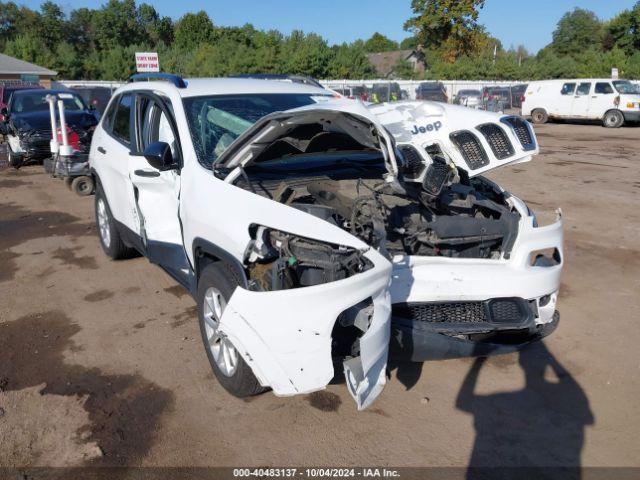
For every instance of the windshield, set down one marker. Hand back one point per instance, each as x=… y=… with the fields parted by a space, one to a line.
x=216 y=121
x=624 y=86
x=37 y=101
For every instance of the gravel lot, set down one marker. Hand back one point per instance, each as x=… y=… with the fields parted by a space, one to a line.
x=101 y=362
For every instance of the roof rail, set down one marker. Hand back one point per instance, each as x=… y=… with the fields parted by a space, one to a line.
x=177 y=80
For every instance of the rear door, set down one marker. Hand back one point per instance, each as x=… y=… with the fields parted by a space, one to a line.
x=581 y=100
x=562 y=105
x=110 y=150
x=157 y=193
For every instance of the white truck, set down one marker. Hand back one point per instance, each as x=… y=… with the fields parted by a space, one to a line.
x=613 y=102
x=314 y=232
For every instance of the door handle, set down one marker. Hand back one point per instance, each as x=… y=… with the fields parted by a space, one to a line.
x=146 y=173
x=102 y=150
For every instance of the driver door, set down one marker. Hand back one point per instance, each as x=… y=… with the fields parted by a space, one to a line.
x=156 y=193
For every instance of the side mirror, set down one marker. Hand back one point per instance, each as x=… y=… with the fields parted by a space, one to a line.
x=159 y=156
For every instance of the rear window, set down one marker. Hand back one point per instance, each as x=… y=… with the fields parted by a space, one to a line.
x=122 y=119
x=583 y=88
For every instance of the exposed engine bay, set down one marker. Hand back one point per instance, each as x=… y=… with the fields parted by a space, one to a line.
x=337 y=170
x=446 y=214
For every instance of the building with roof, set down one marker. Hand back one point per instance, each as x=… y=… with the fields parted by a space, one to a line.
x=12 y=69
x=385 y=63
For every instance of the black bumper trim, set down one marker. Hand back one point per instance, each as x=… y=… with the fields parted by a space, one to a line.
x=414 y=343
x=631 y=116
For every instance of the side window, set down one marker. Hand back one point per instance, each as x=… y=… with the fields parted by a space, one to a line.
x=604 y=88
x=583 y=89
x=107 y=118
x=122 y=119
x=568 y=89
x=153 y=125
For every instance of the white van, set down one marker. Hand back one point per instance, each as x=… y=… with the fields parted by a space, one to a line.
x=612 y=101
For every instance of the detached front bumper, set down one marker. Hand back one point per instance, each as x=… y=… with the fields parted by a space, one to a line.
x=452 y=307
x=285 y=336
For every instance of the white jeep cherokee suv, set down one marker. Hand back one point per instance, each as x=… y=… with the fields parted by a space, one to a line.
x=315 y=232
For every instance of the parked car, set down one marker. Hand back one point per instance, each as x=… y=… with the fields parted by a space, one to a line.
x=27 y=124
x=7 y=88
x=468 y=98
x=434 y=91
x=386 y=92
x=97 y=97
x=496 y=99
x=517 y=95
x=354 y=92
x=613 y=102
x=287 y=213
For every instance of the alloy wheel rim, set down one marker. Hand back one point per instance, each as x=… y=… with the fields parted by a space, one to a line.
x=103 y=223
x=222 y=350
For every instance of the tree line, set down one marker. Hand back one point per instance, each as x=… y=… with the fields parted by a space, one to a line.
x=100 y=44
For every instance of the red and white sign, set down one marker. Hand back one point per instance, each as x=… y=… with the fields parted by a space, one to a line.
x=147 y=62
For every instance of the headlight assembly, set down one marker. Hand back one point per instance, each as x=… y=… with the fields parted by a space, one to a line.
x=279 y=260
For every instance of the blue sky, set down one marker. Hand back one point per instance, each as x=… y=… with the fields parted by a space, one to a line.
x=513 y=22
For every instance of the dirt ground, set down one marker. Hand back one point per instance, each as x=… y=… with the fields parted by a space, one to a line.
x=101 y=362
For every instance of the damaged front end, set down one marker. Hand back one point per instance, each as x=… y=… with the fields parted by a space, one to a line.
x=310 y=305
x=443 y=251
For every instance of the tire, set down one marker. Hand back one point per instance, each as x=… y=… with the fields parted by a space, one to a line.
x=539 y=115
x=108 y=234
x=613 y=119
x=215 y=286
x=15 y=161
x=82 y=185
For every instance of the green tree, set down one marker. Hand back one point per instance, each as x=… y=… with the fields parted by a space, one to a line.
x=51 y=25
x=116 y=25
x=448 y=26
x=577 y=31
x=349 y=61
x=623 y=31
x=193 y=29
x=379 y=43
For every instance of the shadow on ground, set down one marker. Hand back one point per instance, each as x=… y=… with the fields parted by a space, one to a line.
x=124 y=410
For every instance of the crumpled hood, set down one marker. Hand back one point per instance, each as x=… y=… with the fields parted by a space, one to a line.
x=421 y=123
x=40 y=120
x=351 y=117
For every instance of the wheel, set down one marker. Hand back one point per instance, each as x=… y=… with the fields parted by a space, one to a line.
x=68 y=181
x=15 y=161
x=613 y=119
x=110 y=238
x=215 y=286
x=82 y=185
x=539 y=115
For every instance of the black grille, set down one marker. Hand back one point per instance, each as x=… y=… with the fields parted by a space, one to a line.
x=471 y=149
x=413 y=161
x=459 y=312
x=509 y=312
x=521 y=129
x=497 y=140
x=506 y=310
x=437 y=175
